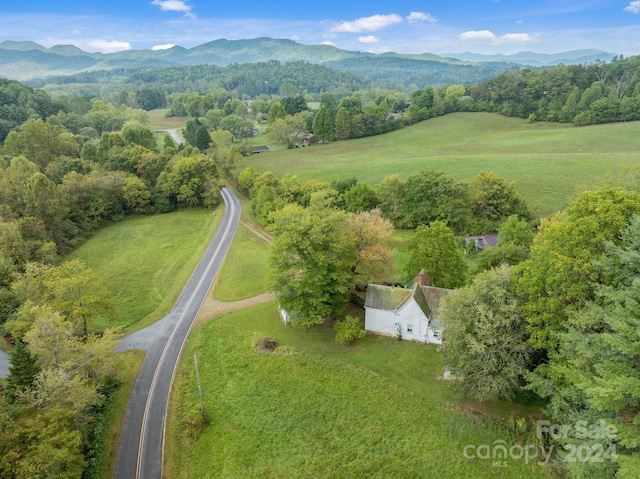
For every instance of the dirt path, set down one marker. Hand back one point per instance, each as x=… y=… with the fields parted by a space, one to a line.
x=261 y=234
x=213 y=308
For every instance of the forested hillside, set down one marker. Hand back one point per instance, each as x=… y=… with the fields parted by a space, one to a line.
x=401 y=73
x=247 y=80
x=582 y=94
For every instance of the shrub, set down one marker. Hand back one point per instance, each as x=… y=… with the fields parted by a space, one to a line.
x=349 y=330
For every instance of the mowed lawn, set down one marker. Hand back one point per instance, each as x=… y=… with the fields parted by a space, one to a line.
x=549 y=162
x=245 y=268
x=316 y=409
x=146 y=260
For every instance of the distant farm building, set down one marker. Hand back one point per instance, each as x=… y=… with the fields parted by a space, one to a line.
x=481 y=242
x=259 y=149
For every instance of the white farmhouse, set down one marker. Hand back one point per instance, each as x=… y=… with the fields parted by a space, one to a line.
x=409 y=312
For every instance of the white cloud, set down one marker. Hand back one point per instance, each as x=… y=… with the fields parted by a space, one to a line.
x=489 y=36
x=166 y=46
x=368 y=39
x=633 y=7
x=174 y=6
x=328 y=42
x=415 y=17
x=106 y=46
x=368 y=24
x=516 y=38
x=477 y=35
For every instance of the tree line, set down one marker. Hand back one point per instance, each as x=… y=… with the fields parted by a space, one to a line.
x=563 y=325
x=476 y=207
x=579 y=94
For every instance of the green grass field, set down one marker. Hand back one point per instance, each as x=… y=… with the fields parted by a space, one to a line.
x=145 y=261
x=245 y=268
x=549 y=162
x=317 y=409
x=158 y=120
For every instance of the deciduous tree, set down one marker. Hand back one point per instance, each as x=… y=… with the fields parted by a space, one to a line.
x=311 y=257
x=485 y=336
x=374 y=248
x=435 y=249
x=322 y=127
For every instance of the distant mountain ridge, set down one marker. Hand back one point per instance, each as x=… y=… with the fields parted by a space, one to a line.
x=26 y=61
x=538 y=59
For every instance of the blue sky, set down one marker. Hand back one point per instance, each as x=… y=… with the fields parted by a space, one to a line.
x=403 y=26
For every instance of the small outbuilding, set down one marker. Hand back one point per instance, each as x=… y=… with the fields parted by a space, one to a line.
x=482 y=242
x=259 y=149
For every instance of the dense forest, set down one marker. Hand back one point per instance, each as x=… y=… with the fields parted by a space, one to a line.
x=246 y=80
x=71 y=164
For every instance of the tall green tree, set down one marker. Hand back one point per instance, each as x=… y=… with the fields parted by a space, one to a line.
x=344 y=123
x=432 y=195
x=435 y=249
x=136 y=195
x=41 y=142
x=54 y=446
x=361 y=197
x=22 y=371
x=196 y=134
x=374 y=243
x=493 y=199
x=189 y=180
x=311 y=257
x=485 y=336
x=46 y=203
x=322 y=127
x=276 y=111
x=390 y=192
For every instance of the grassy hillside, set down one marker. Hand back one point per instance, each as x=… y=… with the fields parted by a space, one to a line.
x=550 y=162
x=146 y=261
x=314 y=408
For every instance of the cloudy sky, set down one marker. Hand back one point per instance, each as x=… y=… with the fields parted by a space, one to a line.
x=403 y=26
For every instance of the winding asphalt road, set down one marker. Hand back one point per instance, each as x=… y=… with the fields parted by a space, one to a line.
x=173 y=133
x=140 y=450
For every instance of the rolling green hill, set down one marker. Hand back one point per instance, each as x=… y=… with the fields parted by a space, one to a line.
x=549 y=162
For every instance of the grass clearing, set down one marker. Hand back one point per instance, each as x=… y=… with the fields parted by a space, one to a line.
x=314 y=408
x=146 y=261
x=244 y=269
x=550 y=162
x=158 y=120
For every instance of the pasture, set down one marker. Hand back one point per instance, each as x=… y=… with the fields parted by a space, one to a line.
x=550 y=162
